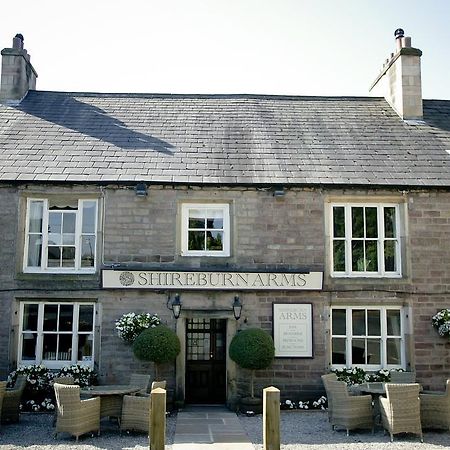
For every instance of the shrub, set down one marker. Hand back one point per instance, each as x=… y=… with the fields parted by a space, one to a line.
x=39 y=394
x=252 y=349
x=441 y=321
x=159 y=345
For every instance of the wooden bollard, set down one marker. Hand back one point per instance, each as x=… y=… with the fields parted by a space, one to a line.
x=157 y=425
x=271 y=418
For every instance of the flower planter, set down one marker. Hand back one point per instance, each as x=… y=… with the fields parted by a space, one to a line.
x=254 y=404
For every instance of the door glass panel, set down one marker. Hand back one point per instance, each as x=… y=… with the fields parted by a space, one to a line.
x=84 y=347
x=65 y=347
x=50 y=346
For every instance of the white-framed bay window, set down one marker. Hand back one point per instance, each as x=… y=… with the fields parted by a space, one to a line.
x=57 y=334
x=371 y=337
x=205 y=229
x=60 y=235
x=365 y=240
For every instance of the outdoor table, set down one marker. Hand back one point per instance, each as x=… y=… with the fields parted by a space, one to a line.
x=376 y=390
x=111 y=397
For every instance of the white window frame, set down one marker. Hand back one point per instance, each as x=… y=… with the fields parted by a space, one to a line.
x=185 y=207
x=349 y=273
x=78 y=239
x=55 y=364
x=384 y=336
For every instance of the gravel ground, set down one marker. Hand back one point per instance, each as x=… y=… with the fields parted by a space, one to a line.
x=311 y=430
x=299 y=430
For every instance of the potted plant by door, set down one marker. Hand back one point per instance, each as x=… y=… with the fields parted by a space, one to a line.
x=252 y=349
x=159 y=345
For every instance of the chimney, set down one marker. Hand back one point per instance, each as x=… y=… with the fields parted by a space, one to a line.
x=399 y=81
x=18 y=75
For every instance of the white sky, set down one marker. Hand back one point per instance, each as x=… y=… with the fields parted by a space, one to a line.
x=299 y=47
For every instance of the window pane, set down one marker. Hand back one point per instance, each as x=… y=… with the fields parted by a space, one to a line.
x=53 y=257
x=373 y=351
x=87 y=251
x=69 y=220
x=196 y=218
x=89 y=215
x=374 y=322
x=358 y=256
x=50 y=343
x=86 y=319
x=339 y=256
x=338 y=351
x=54 y=228
x=34 y=250
x=50 y=317
x=371 y=223
x=214 y=240
x=35 y=219
x=358 y=351
x=84 y=347
x=358 y=222
x=338 y=322
x=29 y=346
x=65 y=317
x=393 y=322
x=389 y=222
x=390 y=260
x=214 y=219
x=30 y=317
x=359 y=322
x=393 y=351
x=338 y=221
x=68 y=257
x=196 y=240
x=65 y=347
x=371 y=256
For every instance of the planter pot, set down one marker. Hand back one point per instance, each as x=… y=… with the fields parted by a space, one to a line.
x=254 y=404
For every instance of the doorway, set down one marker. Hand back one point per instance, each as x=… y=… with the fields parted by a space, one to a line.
x=205 y=360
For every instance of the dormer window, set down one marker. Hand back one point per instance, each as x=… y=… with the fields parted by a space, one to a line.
x=61 y=236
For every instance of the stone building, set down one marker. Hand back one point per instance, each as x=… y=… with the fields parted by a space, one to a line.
x=326 y=218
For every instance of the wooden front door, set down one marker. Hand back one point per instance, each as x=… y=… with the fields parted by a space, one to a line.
x=206 y=360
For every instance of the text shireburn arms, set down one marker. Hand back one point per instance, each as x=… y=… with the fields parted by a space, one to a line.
x=211 y=280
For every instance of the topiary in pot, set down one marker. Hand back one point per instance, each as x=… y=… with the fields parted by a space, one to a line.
x=252 y=349
x=159 y=345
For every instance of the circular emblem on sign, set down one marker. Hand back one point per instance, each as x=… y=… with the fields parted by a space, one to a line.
x=126 y=278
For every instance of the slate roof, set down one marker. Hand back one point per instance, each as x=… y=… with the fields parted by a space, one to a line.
x=222 y=139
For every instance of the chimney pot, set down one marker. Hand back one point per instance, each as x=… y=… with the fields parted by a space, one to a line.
x=18 y=41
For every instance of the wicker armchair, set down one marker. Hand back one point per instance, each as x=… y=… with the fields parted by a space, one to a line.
x=10 y=410
x=75 y=416
x=142 y=380
x=400 y=411
x=2 y=394
x=349 y=411
x=435 y=409
x=326 y=380
x=135 y=413
x=403 y=377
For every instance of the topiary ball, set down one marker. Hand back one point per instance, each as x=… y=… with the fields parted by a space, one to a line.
x=252 y=349
x=159 y=345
